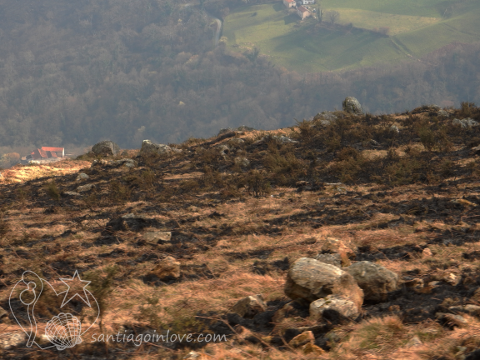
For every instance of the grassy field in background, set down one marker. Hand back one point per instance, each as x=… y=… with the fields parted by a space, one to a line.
x=416 y=28
x=396 y=23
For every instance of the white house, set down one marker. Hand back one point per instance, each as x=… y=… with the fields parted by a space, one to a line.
x=307 y=2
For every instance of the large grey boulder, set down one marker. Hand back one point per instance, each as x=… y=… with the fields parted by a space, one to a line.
x=375 y=280
x=105 y=148
x=309 y=279
x=352 y=105
x=149 y=148
x=340 y=305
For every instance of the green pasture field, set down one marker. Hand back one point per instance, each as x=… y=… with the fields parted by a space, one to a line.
x=416 y=27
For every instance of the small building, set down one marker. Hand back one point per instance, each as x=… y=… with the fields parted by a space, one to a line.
x=303 y=12
x=45 y=153
x=307 y=2
x=290 y=3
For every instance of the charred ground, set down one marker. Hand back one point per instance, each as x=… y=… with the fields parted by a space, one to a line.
x=392 y=185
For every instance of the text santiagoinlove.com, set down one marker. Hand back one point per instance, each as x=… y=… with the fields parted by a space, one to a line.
x=168 y=338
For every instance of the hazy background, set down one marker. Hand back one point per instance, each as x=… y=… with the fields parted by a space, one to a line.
x=76 y=72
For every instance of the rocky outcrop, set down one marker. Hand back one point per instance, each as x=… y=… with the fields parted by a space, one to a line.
x=352 y=105
x=310 y=279
x=375 y=280
x=250 y=306
x=149 y=148
x=105 y=148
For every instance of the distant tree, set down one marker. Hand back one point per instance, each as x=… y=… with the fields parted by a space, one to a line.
x=332 y=16
x=384 y=30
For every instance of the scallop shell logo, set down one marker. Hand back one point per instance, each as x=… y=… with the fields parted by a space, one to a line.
x=64 y=331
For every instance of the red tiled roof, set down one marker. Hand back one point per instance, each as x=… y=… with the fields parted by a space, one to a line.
x=38 y=154
x=48 y=148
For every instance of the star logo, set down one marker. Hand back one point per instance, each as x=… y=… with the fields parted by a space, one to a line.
x=76 y=287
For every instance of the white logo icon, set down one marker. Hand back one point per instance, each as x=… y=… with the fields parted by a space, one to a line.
x=64 y=330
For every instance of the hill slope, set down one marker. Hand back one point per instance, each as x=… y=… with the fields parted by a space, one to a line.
x=173 y=243
x=415 y=29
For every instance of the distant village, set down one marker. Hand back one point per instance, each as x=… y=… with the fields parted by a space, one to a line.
x=302 y=7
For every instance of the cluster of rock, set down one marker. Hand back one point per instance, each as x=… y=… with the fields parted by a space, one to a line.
x=280 y=138
x=110 y=148
x=332 y=292
x=240 y=128
x=465 y=123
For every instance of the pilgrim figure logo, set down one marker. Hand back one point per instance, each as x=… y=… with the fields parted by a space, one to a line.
x=63 y=330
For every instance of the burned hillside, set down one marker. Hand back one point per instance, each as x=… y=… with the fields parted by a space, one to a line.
x=183 y=237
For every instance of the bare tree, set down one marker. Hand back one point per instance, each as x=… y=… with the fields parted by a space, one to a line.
x=332 y=16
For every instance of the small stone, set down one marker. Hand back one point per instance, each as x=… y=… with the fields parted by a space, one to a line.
x=394 y=308
x=250 y=306
x=9 y=340
x=416 y=283
x=85 y=188
x=311 y=348
x=341 y=305
x=426 y=253
x=156 y=236
x=237 y=141
x=82 y=176
x=71 y=193
x=451 y=320
x=168 y=267
x=242 y=161
x=224 y=149
x=452 y=279
x=414 y=341
x=332 y=259
x=101 y=162
x=302 y=339
x=3 y=314
x=333 y=246
x=467 y=309
x=148 y=148
x=443 y=113
x=394 y=128
x=224 y=131
x=192 y=355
